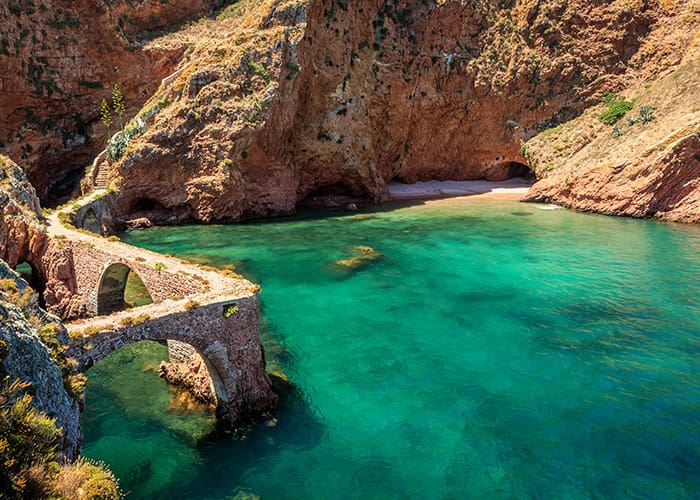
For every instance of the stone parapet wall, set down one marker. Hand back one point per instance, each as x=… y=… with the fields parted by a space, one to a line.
x=73 y=271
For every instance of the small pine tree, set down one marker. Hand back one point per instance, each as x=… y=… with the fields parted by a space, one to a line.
x=118 y=104
x=106 y=117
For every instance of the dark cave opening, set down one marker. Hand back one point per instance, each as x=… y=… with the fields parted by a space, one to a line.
x=336 y=190
x=156 y=212
x=150 y=208
x=517 y=169
x=334 y=195
x=62 y=189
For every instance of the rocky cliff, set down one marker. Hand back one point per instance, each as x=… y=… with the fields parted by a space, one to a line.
x=32 y=341
x=272 y=102
x=59 y=59
x=284 y=100
x=645 y=165
x=22 y=235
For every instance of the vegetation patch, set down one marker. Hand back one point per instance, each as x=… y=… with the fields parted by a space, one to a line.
x=136 y=320
x=29 y=440
x=617 y=107
x=230 y=310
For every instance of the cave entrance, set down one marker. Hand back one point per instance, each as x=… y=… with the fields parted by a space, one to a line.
x=330 y=195
x=120 y=288
x=156 y=212
x=338 y=189
x=61 y=189
x=147 y=205
x=516 y=169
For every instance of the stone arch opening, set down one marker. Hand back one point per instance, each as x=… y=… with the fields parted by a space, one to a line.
x=190 y=368
x=132 y=371
x=91 y=222
x=117 y=288
x=181 y=365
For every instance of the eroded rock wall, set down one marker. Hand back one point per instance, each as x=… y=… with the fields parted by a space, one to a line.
x=330 y=96
x=59 y=59
x=32 y=357
x=22 y=235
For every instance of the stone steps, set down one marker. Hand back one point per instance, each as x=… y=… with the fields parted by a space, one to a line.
x=102 y=177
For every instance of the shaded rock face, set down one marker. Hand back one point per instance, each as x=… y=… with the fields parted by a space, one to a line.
x=22 y=236
x=30 y=360
x=330 y=97
x=60 y=58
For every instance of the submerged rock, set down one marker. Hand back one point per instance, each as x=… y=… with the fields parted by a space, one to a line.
x=364 y=255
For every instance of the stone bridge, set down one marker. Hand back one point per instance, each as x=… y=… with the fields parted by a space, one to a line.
x=199 y=311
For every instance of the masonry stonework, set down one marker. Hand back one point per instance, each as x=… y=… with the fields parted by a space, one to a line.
x=230 y=347
x=74 y=271
x=200 y=310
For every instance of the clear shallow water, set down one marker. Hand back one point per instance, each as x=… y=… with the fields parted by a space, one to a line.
x=494 y=350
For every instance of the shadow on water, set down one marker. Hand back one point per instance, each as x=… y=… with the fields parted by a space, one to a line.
x=143 y=439
x=596 y=326
x=295 y=427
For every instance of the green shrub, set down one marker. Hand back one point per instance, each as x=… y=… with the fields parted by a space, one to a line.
x=617 y=107
x=89 y=479
x=27 y=438
x=259 y=69
x=118 y=144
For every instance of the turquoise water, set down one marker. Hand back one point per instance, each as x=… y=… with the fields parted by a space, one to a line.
x=491 y=350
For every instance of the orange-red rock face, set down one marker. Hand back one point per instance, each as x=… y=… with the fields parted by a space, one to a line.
x=22 y=237
x=59 y=58
x=357 y=94
x=666 y=188
x=300 y=98
x=638 y=168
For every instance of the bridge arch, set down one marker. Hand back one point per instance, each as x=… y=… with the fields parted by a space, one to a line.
x=202 y=376
x=188 y=367
x=111 y=288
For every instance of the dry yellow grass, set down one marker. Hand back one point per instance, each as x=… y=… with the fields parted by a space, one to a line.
x=585 y=143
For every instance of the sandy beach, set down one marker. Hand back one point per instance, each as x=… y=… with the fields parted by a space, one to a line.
x=512 y=189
